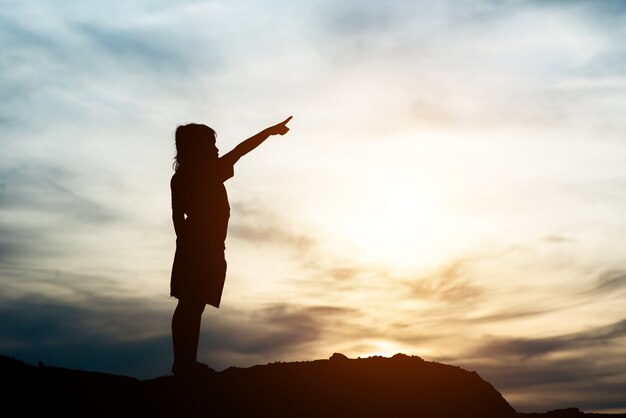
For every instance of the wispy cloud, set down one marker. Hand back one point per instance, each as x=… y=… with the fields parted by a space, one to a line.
x=44 y=207
x=51 y=190
x=609 y=283
x=78 y=326
x=525 y=348
x=276 y=330
x=92 y=323
x=254 y=222
x=451 y=286
x=585 y=368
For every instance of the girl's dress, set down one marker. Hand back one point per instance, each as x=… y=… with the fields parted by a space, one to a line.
x=199 y=268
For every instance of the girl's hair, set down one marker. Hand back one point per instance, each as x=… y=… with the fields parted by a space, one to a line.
x=191 y=139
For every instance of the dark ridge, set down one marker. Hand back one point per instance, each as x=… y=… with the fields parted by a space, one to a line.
x=401 y=386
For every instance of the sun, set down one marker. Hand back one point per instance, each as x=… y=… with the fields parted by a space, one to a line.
x=383 y=348
x=396 y=226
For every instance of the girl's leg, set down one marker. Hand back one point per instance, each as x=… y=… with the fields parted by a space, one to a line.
x=186 y=333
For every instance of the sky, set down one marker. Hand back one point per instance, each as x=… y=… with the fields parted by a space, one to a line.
x=453 y=185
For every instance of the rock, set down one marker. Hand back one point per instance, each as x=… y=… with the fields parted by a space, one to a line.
x=338 y=357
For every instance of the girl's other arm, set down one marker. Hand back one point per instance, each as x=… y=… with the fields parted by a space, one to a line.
x=178 y=213
x=178 y=216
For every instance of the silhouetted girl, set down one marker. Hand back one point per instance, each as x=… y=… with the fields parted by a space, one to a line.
x=200 y=212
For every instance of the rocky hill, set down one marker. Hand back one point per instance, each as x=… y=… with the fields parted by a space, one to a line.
x=400 y=386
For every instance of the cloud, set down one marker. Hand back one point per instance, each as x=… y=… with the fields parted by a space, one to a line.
x=49 y=189
x=602 y=7
x=44 y=205
x=19 y=242
x=538 y=385
x=525 y=348
x=452 y=285
x=132 y=337
x=609 y=283
x=509 y=314
x=117 y=335
x=276 y=330
x=97 y=67
x=90 y=322
x=256 y=223
x=133 y=47
x=557 y=239
x=126 y=35
x=461 y=63
x=368 y=17
x=583 y=369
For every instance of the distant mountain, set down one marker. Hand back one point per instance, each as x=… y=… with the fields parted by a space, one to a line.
x=400 y=386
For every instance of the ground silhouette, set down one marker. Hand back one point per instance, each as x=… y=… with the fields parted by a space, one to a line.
x=401 y=386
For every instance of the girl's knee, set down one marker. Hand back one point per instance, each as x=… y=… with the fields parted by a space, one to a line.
x=191 y=306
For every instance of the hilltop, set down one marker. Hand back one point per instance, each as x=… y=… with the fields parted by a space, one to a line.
x=401 y=386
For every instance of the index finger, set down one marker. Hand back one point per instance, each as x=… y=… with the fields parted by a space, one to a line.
x=286 y=120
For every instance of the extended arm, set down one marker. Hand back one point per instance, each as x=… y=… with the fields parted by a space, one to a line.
x=256 y=140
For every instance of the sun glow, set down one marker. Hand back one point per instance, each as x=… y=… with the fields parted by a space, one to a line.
x=393 y=221
x=382 y=348
x=391 y=226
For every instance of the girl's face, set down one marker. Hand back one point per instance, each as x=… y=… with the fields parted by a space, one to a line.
x=207 y=150
x=214 y=151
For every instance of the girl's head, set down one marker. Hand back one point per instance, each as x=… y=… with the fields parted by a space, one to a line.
x=195 y=146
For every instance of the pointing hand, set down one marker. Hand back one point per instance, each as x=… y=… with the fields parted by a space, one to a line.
x=280 y=128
